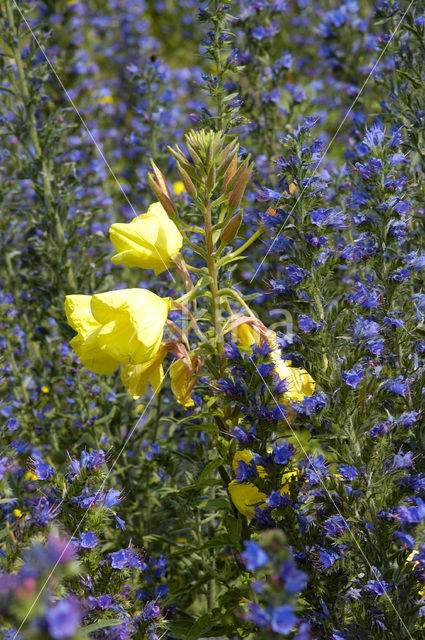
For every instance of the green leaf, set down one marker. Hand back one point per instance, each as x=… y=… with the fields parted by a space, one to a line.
x=102 y=624
x=211 y=466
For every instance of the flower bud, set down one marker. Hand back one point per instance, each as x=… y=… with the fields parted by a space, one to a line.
x=231 y=229
x=239 y=190
x=166 y=201
x=189 y=186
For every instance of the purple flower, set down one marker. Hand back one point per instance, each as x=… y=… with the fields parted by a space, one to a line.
x=63 y=618
x=283 y=619
x=151 y=611
x=254 y=556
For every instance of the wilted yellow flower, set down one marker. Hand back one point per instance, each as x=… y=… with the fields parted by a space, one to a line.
x=117 y=326
x=246 y=335
x=135 y=377
x=299 y=382
x=150 y=241
x=180 y=375
x=245 y=495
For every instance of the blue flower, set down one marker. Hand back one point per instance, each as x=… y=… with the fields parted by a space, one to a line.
x=64 y=618
x=151 y=611
x=283 y=452
x=12 y=424
x=294 y=579
x=283 y=619
x=254 y=556
x=257 y=615
x=89 y=540
x=379 y=587
x=347 y=472
x=42 y=469
x=354 y=377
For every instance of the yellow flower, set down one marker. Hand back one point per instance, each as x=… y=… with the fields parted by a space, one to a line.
x=299 y=382
x=150 y=241
x=108 y=99
x=117 y=326
x=17 y=513
x=245 y=495
x=45 y=389
x=180 y=375
x=135 y=377
x=30 y=476
x=178 y=188
x=411 y=558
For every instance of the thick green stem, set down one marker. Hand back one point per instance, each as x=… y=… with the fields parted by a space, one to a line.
x=215 y=297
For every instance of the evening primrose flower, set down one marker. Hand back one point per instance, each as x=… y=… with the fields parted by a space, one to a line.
x=124 y=326
x=135 y=377
x=246 y=495
x=150 y=241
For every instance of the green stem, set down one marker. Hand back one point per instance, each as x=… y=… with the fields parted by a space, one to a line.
x=234 y=294
x=245 y=246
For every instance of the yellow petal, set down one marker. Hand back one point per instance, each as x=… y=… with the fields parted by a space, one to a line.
x=246 y=496
x=92 y=356
x=246 y=336
x=246 y=456
x=79 y=314
x=299 y=381
x=132 y=323
x=135 y=377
